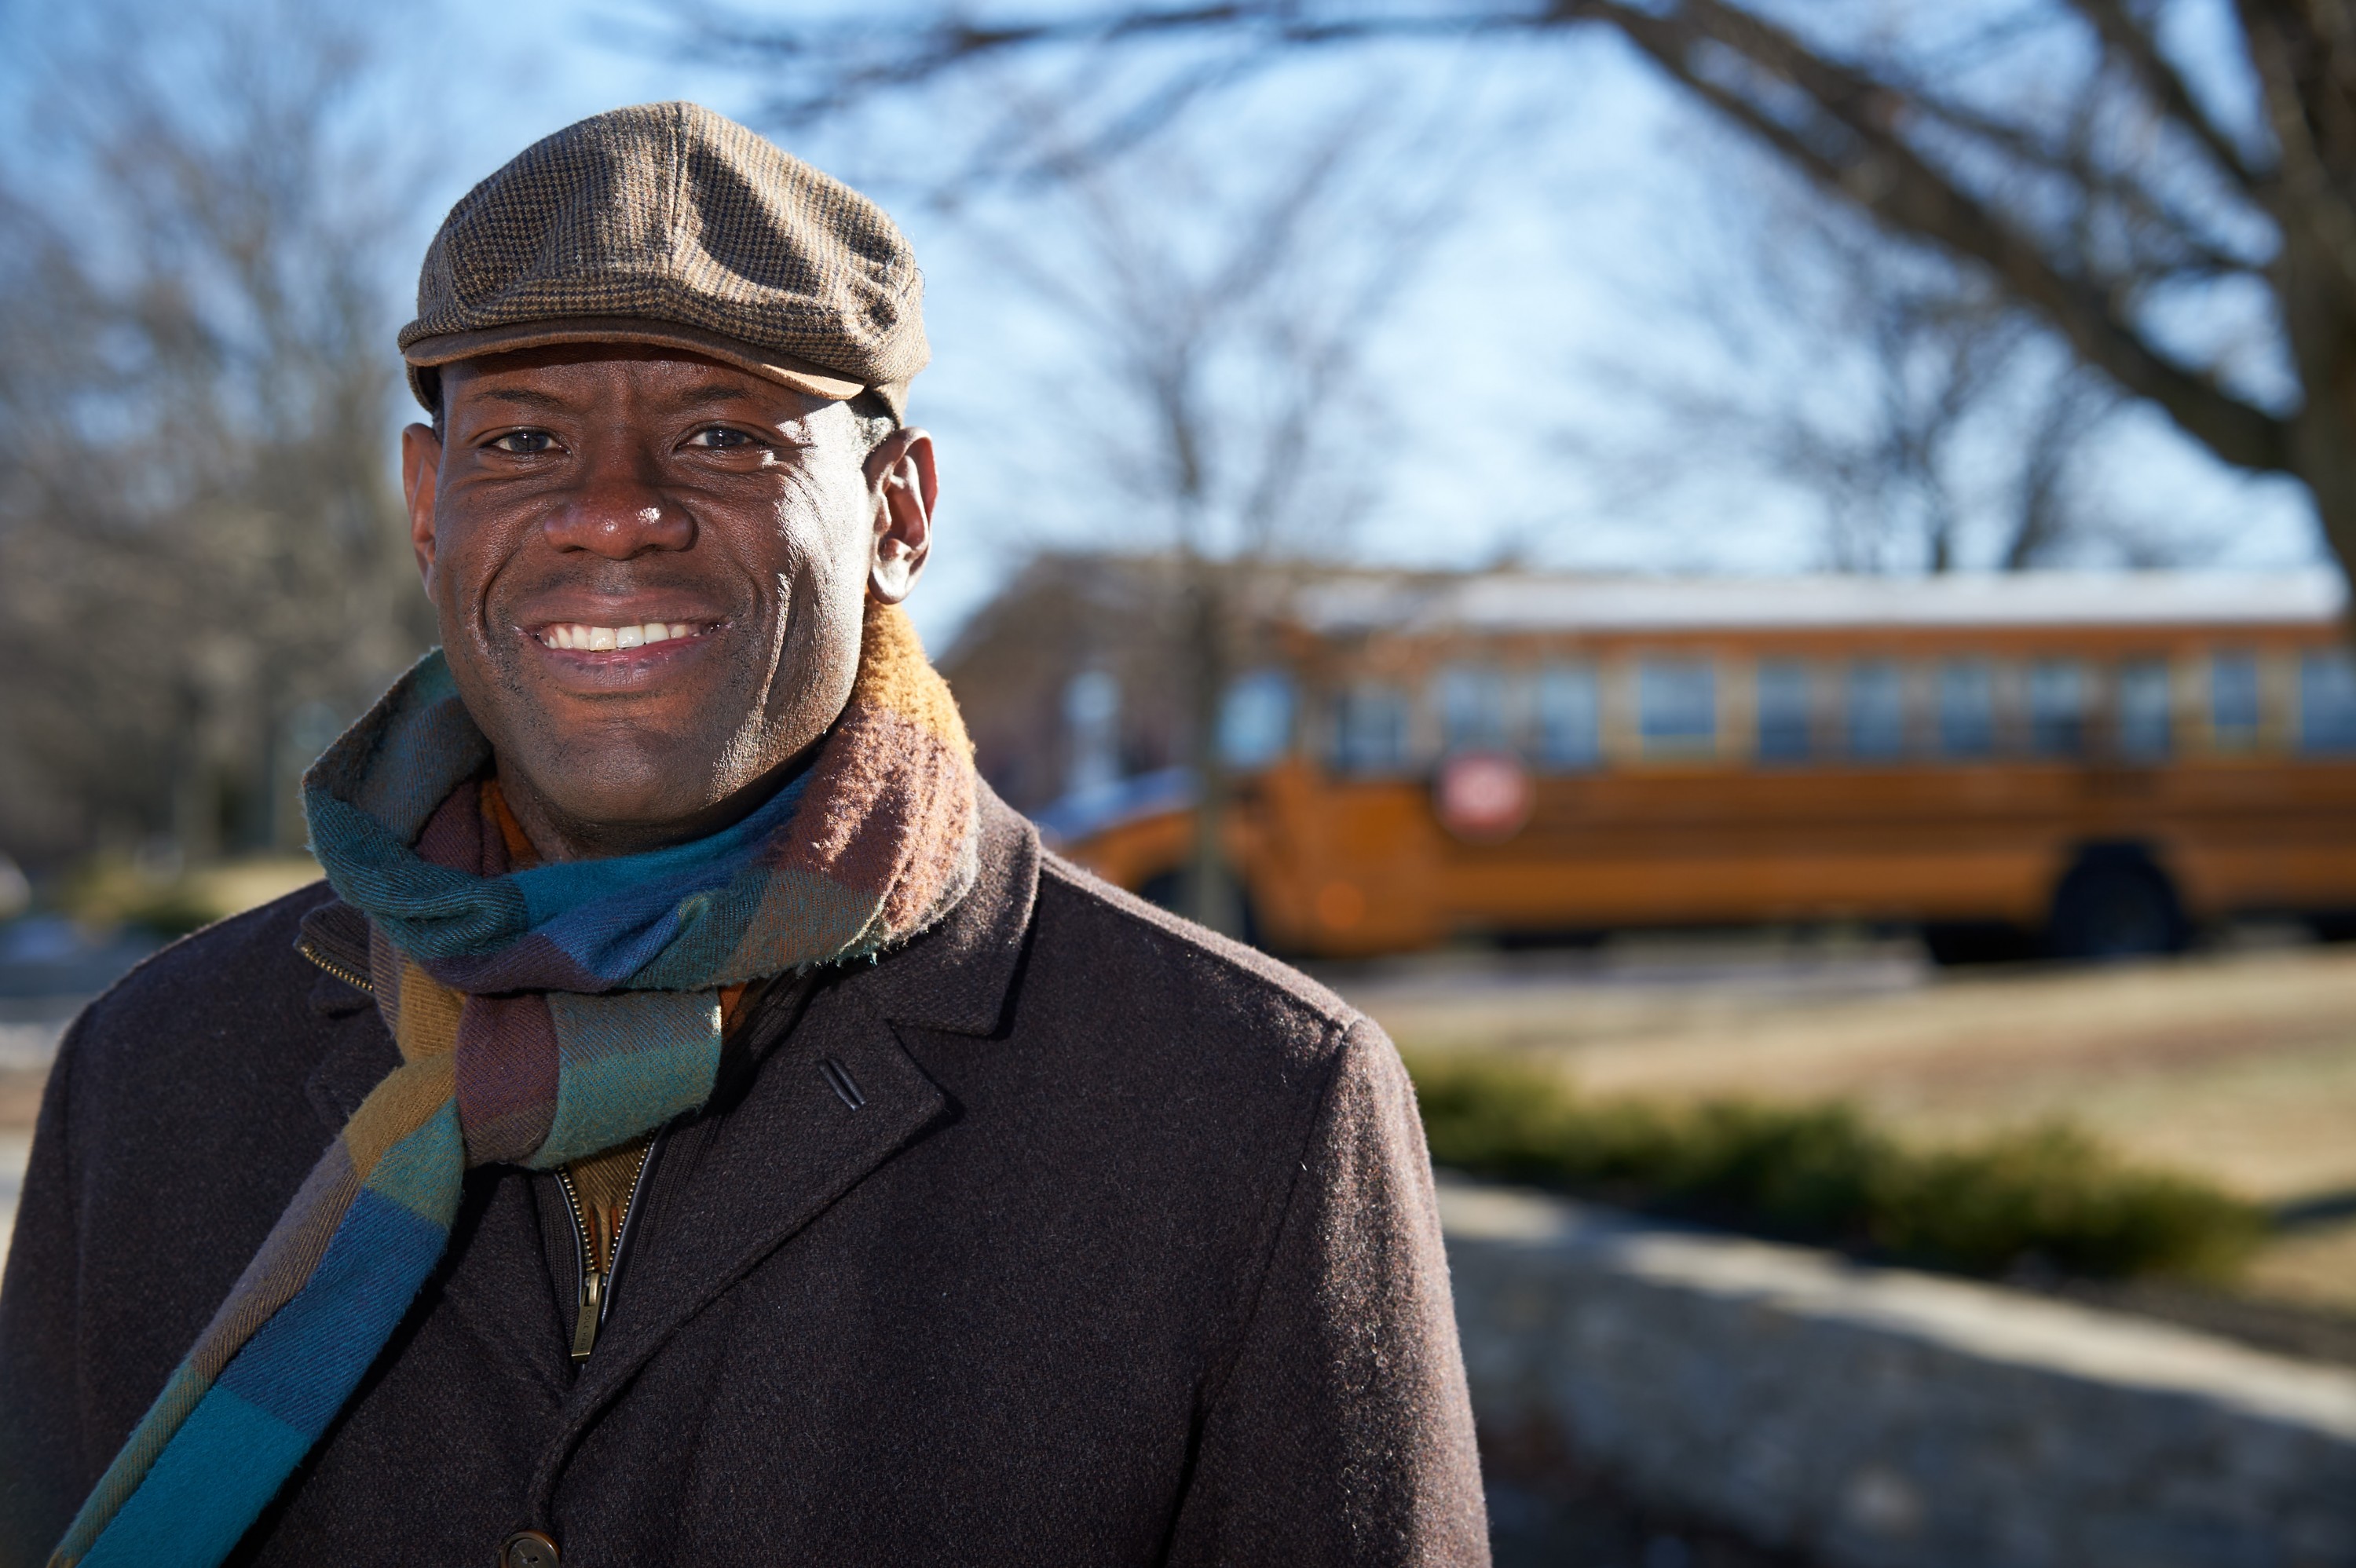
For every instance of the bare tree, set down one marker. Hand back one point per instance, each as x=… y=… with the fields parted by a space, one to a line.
x=1935 y=422
x=1224 y=333
x=2092 y=166
x=201 y=562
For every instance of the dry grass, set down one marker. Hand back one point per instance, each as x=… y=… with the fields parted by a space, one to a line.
x=2315 y=1268
x=2243 y=1067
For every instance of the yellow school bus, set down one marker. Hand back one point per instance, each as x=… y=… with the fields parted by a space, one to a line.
x=2085 y=765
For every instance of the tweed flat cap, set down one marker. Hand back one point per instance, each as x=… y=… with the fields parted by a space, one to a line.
x=669 y=224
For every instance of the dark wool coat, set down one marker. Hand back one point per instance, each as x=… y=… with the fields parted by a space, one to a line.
x=1126 y=1253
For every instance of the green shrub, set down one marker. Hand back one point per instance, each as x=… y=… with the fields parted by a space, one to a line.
x=2052 y=1197
x=2048 y=1197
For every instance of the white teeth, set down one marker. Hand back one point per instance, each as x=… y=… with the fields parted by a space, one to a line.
x=573 y=635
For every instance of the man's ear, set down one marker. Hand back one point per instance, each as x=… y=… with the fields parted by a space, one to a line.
x=902 y=481
x=421 y=467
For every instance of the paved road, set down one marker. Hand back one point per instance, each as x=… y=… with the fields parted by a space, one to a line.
x=15 y=1147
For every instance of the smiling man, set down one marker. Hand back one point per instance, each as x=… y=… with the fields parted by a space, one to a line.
x=696 y=1122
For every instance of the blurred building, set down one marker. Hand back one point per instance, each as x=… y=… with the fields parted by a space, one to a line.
x=2098 y=760
x=1065 y=678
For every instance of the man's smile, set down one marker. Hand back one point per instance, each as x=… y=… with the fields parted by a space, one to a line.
x=617 y=648
x=602 y=639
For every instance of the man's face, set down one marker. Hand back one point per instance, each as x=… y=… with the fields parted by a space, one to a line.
x=649 y=570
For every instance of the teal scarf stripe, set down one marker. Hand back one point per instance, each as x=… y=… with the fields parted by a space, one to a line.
x=431 y=908
x=435 y=913
x=619 y=1075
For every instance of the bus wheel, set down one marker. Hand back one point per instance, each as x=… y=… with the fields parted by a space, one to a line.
x=1164 y=889
x=1951 y=942
x=2114 y=903
x=2333 y=926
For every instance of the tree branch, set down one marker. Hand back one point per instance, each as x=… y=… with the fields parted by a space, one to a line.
x=1873 y=166
x=2132 y=41
x=2300 y=77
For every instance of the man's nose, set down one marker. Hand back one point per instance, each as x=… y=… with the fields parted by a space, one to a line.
x=616 y=513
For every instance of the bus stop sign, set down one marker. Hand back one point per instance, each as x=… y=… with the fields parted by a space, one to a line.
x=1483 y=797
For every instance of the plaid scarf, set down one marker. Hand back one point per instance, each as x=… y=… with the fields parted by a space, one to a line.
x=542 y=1015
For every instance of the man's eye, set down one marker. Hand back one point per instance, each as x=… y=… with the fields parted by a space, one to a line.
x=721 y=438
x=524 y=442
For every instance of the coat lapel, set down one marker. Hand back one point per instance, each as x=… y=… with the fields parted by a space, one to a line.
x=358 y=1053
x=833 y=1099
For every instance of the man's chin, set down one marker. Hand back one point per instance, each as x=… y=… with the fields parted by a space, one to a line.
x=630 y=790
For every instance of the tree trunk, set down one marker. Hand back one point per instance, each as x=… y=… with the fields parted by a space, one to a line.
x=1211 y=895
x=2320 y=318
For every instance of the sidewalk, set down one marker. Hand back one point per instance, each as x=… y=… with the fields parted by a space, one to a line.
x=1880 y=1418
x=15 y=1147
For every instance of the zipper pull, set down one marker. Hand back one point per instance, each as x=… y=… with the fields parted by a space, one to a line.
x=584 y=1327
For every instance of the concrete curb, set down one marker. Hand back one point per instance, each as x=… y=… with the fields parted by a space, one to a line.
x=1878 y=1418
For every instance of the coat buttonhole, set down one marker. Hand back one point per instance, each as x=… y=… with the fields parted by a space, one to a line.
x=838 y=1079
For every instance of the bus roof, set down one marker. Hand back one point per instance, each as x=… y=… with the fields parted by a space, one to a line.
x=1528 y=601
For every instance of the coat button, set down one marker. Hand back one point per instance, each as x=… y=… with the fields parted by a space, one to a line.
x=528 y=1549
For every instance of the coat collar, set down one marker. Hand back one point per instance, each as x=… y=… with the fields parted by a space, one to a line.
x=359 y=1053
x=955 y=977
x=833 y=1099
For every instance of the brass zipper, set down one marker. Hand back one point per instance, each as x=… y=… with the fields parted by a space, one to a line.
x=595 y=1287
x=360 y=982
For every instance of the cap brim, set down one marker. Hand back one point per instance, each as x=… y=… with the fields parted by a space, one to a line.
x=432 y=353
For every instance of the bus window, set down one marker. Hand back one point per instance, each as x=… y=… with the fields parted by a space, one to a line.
x=1677 y=704
x=1092 y=716
x=2057 y=708
x=1877 y=710
x=1256 y=720
x=1569 y=715
x=1472 y=708
x=2327 y=702
x=1370 y=729
x=1967 y=708
x=1783 y=710
x=2234 y=706
x=2144 y=710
